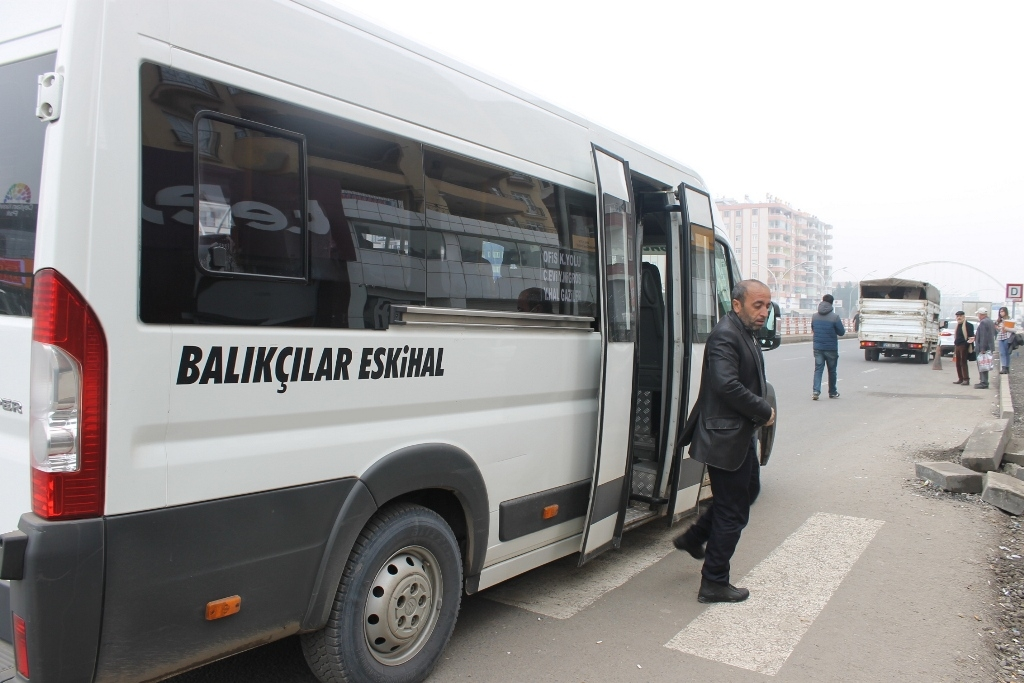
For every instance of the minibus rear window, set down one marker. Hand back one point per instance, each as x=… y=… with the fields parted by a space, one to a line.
x=21 y=167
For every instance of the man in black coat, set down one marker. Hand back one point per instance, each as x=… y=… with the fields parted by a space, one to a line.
x=722 y=431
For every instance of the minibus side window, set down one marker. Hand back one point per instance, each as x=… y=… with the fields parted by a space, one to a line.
x=511 y=242
x=388 y=222
x=21 y=167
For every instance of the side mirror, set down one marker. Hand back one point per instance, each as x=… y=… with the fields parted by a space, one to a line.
x=768 y=336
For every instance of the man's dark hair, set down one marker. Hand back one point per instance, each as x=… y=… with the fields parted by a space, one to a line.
x=828 y=298
x=739 y=292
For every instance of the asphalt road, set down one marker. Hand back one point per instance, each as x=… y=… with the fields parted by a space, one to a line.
x=857 y=573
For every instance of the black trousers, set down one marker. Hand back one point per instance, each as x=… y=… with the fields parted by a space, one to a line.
x=723 y=521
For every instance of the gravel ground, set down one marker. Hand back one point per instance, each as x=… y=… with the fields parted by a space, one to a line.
x=1007 y=563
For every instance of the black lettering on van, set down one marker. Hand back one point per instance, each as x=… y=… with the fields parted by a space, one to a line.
x=188 y=368
x=415 y=362
x=405 y=359
x=307 y=376
x=438 y=370
x=391 y=367
x=428 y=363
x=341 y=363
x=230 y=376
x=296 y=364
x=264 y=357
x=323 y=370
x=378 y=363
x=364 y=364
x=247 y=364
x=279 y=371
x=213 y=369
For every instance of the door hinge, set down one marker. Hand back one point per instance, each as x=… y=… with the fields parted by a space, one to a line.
x=48 y=96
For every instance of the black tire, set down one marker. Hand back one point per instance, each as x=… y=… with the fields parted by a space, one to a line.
x=867 y=355
x=874 y=356
x=406 y=564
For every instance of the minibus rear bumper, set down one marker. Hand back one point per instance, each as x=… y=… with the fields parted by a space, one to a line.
x=62 y=603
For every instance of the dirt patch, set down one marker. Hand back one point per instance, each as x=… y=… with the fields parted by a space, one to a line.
x=1008 y=565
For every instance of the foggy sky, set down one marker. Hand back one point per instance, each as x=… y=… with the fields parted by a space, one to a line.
x=898 y=123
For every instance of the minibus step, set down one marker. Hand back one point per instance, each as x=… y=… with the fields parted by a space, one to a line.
x=638 y=514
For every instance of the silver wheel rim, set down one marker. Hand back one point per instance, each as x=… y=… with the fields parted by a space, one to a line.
x=402 y=605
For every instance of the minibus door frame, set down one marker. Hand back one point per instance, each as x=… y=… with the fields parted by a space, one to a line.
x=616 y=399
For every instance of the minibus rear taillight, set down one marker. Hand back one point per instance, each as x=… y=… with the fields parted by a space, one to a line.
x=68 y=407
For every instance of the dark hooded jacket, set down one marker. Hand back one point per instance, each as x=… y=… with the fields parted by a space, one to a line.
x=827 y=327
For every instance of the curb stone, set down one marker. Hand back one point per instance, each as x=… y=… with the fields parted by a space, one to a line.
x=985 y=447
x=1005 y=400
x=950 y=477
x=1013 y=469
x=1005 y=492
x=1014 y=452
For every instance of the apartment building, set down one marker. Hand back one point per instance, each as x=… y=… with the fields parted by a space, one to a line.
x=788 y=249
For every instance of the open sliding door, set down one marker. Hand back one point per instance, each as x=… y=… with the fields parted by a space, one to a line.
x=618 y=253
x=701 y=312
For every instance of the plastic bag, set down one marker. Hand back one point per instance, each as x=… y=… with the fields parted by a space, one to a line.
x=985 y=362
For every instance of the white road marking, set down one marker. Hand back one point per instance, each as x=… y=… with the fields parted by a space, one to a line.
x=788 y=590
x=560 y=589
x=871 y=370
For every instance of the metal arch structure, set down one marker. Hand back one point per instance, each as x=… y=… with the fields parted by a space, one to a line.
x=999 y=284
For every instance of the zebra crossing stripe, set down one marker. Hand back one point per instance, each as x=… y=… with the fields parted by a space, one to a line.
x=788 y=590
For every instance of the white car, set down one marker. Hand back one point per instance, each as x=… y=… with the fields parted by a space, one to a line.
x=947 y=332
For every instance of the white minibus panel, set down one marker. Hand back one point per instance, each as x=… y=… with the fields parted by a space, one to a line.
x=316 y=341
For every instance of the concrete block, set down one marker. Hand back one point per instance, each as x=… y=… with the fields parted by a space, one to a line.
x=1005 y=492
x=1005 y=400
x=984 y=450
x=950 y=476
x=1012 y=469
x=1014 y=452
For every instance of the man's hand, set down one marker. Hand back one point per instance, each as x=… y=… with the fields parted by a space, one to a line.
x=771 y=420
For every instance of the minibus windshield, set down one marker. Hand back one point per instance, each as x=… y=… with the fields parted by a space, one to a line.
x=21 y=166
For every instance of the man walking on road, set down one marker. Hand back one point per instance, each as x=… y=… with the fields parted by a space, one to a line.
x=722 y=432
x=961 y=348
x=984 y=342
x=827 y=327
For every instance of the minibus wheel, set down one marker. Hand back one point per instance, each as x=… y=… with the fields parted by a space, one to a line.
x=397 y=602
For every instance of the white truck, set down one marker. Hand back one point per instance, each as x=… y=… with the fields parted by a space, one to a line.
x=898 y=318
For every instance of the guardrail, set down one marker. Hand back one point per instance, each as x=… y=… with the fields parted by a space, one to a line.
x=792 y=325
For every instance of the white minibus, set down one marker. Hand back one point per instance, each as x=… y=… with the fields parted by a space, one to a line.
x=307 y=329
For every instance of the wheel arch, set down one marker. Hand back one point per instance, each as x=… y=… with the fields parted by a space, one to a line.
x=438 y=476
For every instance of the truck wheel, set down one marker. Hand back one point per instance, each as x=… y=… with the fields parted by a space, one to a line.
x=867 y=354
x=397 y=602
x=923 y=357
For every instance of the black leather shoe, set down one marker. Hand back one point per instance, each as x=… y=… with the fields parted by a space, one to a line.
x=712 y=591
x=981 y=385
x=688 y=545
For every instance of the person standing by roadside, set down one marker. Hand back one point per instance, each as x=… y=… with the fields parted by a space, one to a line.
x=1004 y=335
x=984 y=342
x=722 y=433
x=962 y=348
x=827 y=327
